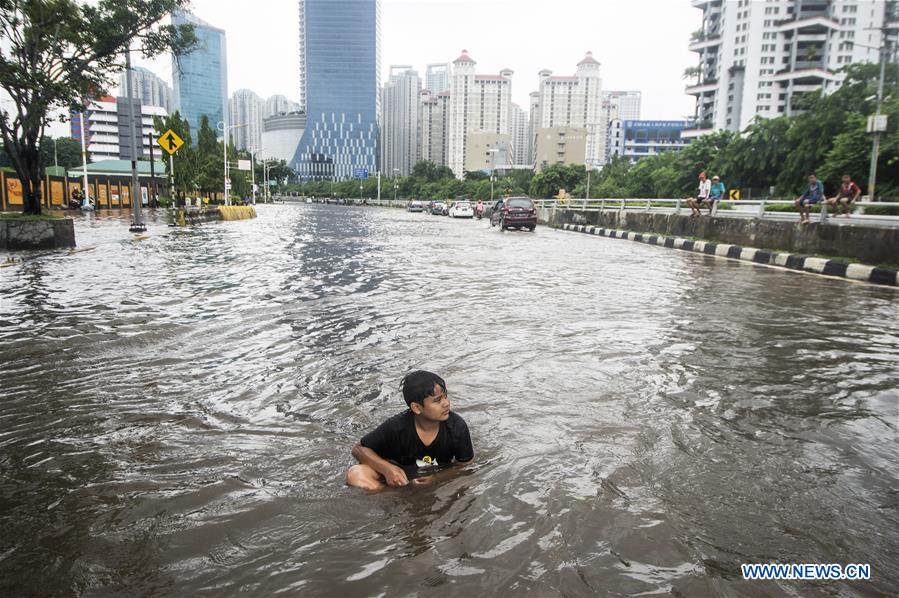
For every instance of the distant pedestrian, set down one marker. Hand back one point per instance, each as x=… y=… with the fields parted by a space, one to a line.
x=813 y=194
x=716 y=193
x=705 y=189
x=849 y=192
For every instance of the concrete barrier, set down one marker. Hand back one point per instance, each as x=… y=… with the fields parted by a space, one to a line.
x=884 y=276
x=865 y=243
x=20 y=234
x=185 y=216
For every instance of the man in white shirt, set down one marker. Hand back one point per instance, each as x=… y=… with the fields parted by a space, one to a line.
x=705 y=189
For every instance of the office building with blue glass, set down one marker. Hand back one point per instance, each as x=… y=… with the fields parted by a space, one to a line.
x=635 y=139
x=339 y=88
x=201 y=76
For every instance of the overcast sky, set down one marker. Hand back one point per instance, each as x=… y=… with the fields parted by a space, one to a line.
x=642 y=44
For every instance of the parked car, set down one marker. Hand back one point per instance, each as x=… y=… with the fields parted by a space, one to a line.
x=415 y=206
x=437 y=208
x=515 y=212
x=461 y=209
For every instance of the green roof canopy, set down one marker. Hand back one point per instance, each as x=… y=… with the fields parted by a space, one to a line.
x=118 y=168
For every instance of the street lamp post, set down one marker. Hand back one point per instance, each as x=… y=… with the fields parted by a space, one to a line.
x=253 y=170
x=493 y=152
x=589 y=165
x=224 y=127
x=137 y=221
x=395 y=170
x=267 y=169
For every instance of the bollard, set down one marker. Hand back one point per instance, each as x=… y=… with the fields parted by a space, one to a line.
x=677 y=206
x=823 y=216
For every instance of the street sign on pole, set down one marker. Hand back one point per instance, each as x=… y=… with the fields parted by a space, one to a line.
x=360 y=173
x=170 y=142
x=243 y=165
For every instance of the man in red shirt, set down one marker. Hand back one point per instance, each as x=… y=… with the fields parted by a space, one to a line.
x=847 y=194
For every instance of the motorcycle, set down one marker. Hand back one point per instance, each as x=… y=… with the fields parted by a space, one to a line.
x=479 y=212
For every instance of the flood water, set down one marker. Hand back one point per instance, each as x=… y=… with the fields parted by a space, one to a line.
x=177 y=413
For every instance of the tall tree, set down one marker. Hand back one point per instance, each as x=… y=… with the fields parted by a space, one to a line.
x=210 y=158
x=64 y=151
x=185 y=160
x=62 y=53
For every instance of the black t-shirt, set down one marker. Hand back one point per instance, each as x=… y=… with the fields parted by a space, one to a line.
x=397 y=440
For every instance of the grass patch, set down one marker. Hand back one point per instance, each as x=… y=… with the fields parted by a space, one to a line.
x=48 y=215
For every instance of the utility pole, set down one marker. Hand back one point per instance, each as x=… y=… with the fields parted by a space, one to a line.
x=877 y=123
x=85 y=200
x=152 y=172
x=137 y=223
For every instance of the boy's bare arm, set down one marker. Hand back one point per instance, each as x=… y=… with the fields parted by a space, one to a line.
x=394 y=475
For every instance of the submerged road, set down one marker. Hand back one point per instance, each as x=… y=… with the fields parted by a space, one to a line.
x=177 y=413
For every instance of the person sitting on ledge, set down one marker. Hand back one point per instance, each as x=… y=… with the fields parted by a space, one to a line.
x=848 y=193
x=411 y=445
x=814 y=193
x=705 y=187
x=716 y=193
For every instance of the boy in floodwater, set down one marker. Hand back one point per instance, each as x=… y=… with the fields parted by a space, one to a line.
x=407 y=447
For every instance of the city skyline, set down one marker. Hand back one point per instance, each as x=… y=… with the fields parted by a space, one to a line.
x=650 y=57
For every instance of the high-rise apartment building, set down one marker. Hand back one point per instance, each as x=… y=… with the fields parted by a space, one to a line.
x=617 y=107
x=477 y=104
x=149 y=88
x=533 y=122
x=437 y=77
x=621 y=104
x=245 y=109
x=521 y=146
x=434 y=127
x=400 y=106
x=573 y=102
x=339 y=87
x=756 y=57
x=278 y=104
x=201 y=76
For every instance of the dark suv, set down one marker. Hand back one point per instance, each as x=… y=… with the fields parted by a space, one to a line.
x=514 y=212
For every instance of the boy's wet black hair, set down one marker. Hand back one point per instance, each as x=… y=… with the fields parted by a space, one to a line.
x=419 y=385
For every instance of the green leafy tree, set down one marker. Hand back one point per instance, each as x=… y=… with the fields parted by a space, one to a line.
x=210 y=158
x=61 y=53
x=185 y=159
x=67 y=152
x=751 y=158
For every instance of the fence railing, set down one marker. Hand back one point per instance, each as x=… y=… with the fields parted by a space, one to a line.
x=740 y=208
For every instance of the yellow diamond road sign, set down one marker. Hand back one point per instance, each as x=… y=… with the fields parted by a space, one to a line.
x=170 y=142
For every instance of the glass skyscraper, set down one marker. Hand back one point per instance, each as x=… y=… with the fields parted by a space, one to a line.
x=201 y=76
x=339 y=87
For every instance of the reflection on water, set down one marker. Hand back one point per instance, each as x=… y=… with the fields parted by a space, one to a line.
x=177 y=413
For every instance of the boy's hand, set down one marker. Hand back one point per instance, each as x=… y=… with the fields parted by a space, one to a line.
x=395 y=476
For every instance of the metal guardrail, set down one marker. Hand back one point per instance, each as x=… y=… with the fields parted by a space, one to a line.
x=740 y=208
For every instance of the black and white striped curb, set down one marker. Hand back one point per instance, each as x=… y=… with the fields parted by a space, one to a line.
x=886 y=276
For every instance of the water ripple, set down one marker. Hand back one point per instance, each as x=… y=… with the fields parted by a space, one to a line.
x=177 y=413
